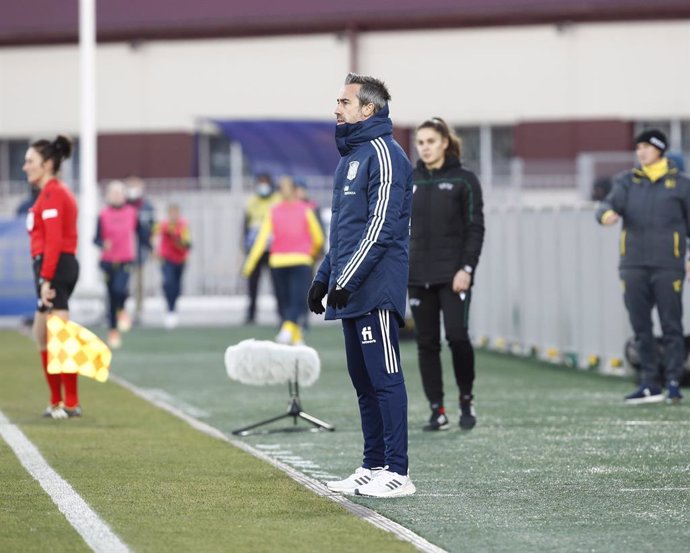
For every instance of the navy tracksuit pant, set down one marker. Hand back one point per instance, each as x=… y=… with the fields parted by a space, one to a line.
x=373 y=361
x=172 y=282
x=646 y=287
x=117 y=283
x=292 y=286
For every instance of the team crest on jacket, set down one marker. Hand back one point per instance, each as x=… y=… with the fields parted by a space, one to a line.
x=445 y=186
x=352 y=170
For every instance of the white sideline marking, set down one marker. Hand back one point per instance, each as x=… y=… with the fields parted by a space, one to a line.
x=315 y=486
x=655 y=489
x=94 y=531
x=165 y=396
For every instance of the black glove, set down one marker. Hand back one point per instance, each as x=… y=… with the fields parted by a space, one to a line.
x=337 y=297
x=316 y=293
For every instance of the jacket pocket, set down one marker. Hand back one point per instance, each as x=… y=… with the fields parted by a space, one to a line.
x=622 y=242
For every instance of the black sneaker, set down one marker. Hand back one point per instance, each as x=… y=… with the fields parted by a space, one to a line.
x=644 y=394
x=72 y=411
x=674 y=397
x=468 y=418
x=437 y=421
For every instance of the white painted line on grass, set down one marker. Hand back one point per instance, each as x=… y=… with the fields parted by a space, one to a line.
x=94 y=531
x=655 y=489
x=315 y=486
x=165 y=396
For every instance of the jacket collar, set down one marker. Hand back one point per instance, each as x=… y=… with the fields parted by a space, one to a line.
x=672 y=169
x=350 y=135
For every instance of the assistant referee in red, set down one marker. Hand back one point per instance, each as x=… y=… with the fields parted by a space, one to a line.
x=52 y=226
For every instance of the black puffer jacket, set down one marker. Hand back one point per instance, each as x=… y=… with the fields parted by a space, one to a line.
x=447 y=225
x=656 y=217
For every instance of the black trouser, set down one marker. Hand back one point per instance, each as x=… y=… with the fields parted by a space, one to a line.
x=427 y=305
x=645 y=288
x=254 y=287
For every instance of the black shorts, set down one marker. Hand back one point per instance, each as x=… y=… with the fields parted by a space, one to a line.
x=63 y=282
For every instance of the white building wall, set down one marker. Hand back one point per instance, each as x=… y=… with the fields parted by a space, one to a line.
x=468 y=76
x=165 y=86
x=504 y=75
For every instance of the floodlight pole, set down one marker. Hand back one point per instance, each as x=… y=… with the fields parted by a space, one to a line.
x=88 y=201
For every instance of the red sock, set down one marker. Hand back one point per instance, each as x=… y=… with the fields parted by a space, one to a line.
x=69 y=381
x=53 y=380
x=442 y=410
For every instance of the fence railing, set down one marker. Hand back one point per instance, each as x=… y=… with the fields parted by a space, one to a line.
x=548 y=283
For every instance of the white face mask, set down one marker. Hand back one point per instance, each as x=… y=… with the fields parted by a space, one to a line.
x=134 y=193
x=263 y=189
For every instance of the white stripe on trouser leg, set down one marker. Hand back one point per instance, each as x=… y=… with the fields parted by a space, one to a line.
x=384 y=341
x=389 y=344
x=388 y=349
x=93 y=530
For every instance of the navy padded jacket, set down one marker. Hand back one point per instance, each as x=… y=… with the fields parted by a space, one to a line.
x=369 y=236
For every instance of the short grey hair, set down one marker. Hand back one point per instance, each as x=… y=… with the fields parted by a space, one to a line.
x=372 y=91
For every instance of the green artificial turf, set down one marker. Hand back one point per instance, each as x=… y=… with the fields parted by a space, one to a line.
x=556 y=462
x=160 y=485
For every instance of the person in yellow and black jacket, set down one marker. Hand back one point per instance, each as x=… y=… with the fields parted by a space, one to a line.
x=653 y=201
x=258 y=206
x=446 y=237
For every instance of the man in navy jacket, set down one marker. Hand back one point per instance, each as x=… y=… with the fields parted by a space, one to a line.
x=365 y=276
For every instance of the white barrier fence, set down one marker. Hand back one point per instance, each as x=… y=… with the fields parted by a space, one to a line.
x=548 y=284
x=547 y=280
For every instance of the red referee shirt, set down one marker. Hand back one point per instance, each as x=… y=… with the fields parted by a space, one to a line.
x=52 y=225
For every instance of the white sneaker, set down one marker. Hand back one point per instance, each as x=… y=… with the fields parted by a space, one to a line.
x=171 y=320
x=359 y=478
x=59 y=413
x=114 y=339
x=284 y=336
x=387 y=484
x=124 y=323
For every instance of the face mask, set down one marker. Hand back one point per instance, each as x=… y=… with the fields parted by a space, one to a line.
x=134 y=193
x=263 y=190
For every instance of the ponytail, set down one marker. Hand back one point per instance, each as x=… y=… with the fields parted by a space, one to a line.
x=57 y=150
x=454 y=148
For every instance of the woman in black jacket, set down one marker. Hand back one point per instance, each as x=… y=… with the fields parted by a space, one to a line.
x=447 y=232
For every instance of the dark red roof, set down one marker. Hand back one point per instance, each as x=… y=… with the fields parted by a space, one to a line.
x=48 y=21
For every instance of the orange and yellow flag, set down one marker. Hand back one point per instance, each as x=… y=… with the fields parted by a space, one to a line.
x=75 y=349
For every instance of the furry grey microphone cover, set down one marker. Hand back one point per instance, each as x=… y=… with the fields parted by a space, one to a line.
x=260 y=362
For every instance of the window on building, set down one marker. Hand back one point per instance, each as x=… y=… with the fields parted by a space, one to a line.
x=219 y=156
x=502 y=150
x=470 y=147
x=16 y=150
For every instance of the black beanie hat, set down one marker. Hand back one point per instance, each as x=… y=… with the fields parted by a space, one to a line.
x=654 y=137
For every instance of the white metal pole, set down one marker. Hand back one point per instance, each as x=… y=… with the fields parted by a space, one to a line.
x=88 y=254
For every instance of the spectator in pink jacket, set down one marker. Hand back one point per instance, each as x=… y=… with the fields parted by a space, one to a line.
x=116 y=236
x=296 y=238
x=173 y=249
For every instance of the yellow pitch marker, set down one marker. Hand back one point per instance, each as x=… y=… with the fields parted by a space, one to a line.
x=75 y=349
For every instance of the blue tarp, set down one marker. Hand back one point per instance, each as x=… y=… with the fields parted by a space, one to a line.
x=297 y=148
x=17 y=294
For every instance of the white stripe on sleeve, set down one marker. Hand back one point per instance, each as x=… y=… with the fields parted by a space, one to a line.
x=386 y=179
